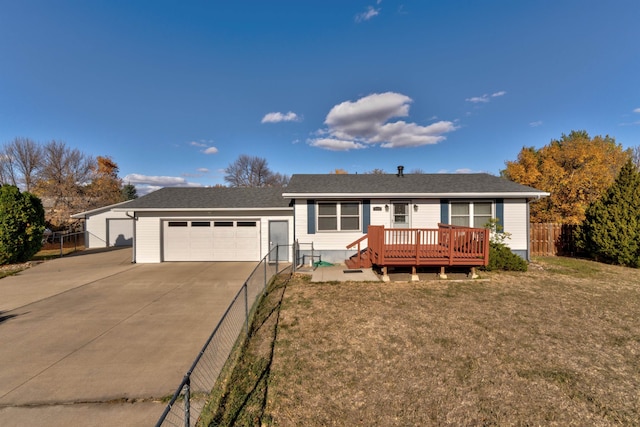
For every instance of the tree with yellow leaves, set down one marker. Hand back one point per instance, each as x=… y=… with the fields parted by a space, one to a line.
x=575 y=169
x=105 y=187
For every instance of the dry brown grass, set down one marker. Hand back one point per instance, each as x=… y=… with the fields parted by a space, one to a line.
x=558 y=345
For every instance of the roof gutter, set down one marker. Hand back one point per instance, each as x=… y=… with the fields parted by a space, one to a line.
x=177 y=209
x=507 y=195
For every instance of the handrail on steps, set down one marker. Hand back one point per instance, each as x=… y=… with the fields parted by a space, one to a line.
x=359 y=254
x=357 y=242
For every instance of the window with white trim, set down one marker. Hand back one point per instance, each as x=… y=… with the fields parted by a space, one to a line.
x=471 y=214
x=338 y=216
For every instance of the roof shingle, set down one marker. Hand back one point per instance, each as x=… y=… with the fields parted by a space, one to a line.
x=210 y=198
x=408 y=183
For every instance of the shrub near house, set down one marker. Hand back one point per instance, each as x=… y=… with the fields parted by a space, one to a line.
x=21 y=225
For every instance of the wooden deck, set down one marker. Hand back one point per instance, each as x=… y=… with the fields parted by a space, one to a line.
x=447 y=245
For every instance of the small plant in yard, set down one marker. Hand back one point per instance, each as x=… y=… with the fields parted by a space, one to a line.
x=500 y=256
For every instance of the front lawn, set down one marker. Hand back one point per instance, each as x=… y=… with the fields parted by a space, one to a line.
x=557 y=345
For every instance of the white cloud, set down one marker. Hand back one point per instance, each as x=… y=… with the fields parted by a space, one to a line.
x=355 y=125
x=147 y=183
x=336 y=144
x=202 y=170
x=476 y=99
x=367 y=14
x=278 y=117
x=164 y=181
x=536 y=124
x=485 y=98
x=637 y=110
x=210 y=150
x=459 y=171
x=197 y=144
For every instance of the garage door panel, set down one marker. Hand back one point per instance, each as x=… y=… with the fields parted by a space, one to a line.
x=217 y=241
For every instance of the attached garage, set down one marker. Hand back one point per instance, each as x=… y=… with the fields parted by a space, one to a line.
x=209 y=224
x=211 y=240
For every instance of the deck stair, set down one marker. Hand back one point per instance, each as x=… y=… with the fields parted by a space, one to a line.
x=359 y=260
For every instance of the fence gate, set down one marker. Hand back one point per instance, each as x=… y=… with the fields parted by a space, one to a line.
x=548 y=239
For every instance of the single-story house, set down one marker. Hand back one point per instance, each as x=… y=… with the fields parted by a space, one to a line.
x=332 y=211
x=322 y=213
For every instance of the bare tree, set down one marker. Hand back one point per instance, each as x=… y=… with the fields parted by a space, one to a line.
x=376 y=171
x=253 y=171
x=20 y=162
x=635 y=156
x=7 y=170
x=64 y=174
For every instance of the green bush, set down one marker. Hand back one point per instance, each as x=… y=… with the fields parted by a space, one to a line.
x=501 y=258
x=21 y=225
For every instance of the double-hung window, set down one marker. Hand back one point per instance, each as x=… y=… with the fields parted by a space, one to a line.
x=471 y=214
x=338 y=216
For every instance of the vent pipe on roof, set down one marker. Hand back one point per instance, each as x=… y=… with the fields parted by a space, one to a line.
x=400 y=171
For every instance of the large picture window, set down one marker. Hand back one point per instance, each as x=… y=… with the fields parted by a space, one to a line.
x=335 y=216
x=471 y=214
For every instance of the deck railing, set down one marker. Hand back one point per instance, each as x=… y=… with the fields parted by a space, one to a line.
x=448 y=245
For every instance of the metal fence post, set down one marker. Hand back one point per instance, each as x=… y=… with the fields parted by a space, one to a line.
x=277 y=256
x=246 y=307
x=187 y=402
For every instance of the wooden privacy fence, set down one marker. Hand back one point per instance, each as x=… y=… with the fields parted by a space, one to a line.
x=548 y=239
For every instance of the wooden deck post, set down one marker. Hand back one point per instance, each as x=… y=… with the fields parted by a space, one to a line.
x=443 y=275
x=385 y=276
x=473 y=273
x=414 y=274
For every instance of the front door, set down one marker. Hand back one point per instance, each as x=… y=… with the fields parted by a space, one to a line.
x=400 y=215
x=279 y=236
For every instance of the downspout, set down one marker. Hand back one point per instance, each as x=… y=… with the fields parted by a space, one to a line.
x=529 y=231
x=134 y=218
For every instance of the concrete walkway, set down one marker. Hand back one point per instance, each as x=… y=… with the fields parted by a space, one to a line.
x=95 y=340
x=340 y=273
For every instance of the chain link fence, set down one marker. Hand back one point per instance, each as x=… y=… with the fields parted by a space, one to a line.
x=187 y=403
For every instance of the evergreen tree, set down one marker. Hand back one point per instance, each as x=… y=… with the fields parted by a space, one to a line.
x=21 y=225
x=129 y=192
x=611 y=230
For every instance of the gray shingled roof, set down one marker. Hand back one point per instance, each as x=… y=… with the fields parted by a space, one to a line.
x=172 y=198
x=408 y=184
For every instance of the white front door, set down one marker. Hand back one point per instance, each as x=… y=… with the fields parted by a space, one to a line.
x=400 y=215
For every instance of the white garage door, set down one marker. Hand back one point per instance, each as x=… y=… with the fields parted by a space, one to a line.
x=120 y=232
x=211 y=240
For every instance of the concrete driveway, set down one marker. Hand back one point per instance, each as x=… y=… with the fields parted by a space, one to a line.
x=95 y=340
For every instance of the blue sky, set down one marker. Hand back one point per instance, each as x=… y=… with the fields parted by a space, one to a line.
x=176 y=91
